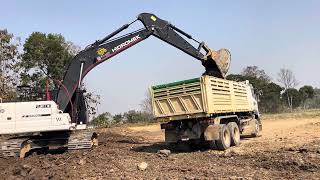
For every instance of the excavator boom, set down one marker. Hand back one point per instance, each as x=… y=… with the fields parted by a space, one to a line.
x=216 y=63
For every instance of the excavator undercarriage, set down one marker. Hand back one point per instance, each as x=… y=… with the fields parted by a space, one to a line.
x=20 y=146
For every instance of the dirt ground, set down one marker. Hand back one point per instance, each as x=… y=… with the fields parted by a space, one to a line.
x=288 y=149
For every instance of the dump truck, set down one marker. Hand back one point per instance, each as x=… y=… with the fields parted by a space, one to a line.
x=208 y=110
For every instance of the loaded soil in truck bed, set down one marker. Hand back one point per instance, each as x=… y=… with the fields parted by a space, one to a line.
x=289 y=148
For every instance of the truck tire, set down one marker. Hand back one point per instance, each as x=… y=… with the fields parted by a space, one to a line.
x=234 y=133
x=224 y=140
x=257 y=127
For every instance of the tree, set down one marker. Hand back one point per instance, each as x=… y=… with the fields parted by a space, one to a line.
x=306 y=92
x=45 y=56
x=258 y=78
x=267 y=92
x=294 y=97
x=8 y=57
x=92 y=101
x=270 y=98
x=146 y=105
x=288 y=80
x=315 y=101
x=134 y=116
x=254 y=71
x=118 y=118
x=236 y=77
x=103 y=120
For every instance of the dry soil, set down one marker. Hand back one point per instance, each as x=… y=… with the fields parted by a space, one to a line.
x=288 y=149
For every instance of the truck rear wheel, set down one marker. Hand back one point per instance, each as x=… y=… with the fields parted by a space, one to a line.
x=234 y=133
x=224 y=140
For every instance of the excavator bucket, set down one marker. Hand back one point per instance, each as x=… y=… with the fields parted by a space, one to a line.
x=217 y=63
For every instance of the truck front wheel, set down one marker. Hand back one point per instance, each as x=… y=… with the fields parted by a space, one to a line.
x=224 y=140
x=234 y=133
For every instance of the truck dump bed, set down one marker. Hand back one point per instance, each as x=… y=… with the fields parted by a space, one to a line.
x=200 y=97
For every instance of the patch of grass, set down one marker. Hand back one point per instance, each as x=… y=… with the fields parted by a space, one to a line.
x=313 y=113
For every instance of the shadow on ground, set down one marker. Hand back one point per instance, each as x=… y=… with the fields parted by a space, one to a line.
x=182 y=147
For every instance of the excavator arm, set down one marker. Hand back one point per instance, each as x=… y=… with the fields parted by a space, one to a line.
x=216 y=63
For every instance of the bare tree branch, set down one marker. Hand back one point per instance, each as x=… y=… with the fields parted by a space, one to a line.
x=288 y=80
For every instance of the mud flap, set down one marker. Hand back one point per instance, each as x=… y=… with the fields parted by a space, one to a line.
x=249 y=128
x=212 y=132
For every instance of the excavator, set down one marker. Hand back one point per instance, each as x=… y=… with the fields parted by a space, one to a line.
x=62 y=122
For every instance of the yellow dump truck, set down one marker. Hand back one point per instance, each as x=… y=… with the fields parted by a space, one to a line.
x=207 y=110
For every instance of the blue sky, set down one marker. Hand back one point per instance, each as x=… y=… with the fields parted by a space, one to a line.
x=270 y=34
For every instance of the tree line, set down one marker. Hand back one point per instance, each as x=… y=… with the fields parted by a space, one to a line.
x=144 y=115
x=44 y=57
x=282 y=95
x=273 y=97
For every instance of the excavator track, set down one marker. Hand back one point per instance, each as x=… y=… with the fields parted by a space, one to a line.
x=14 y=148
x=74 y=140
x=82 y=140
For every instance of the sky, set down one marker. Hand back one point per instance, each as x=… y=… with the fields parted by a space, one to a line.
x=270 y=34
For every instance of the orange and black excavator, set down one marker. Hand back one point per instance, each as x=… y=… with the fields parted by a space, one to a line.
x=69 y=96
